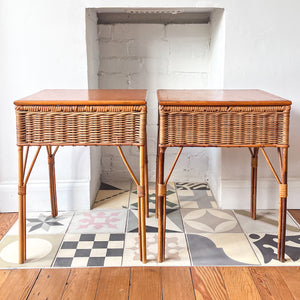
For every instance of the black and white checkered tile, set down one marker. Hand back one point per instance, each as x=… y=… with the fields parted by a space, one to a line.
x=90 y=250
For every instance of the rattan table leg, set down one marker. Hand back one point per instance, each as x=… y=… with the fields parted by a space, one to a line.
x=254 y=163
x=140 y=229
x=52 y=182
x=164 y=227
x=282 y=207
x=22 y=208
x=142 y=215
x=160 y=206
x=157 y=167
x=146 y=180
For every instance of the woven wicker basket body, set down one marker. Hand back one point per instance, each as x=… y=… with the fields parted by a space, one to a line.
x=81 y=125
x=224 y=126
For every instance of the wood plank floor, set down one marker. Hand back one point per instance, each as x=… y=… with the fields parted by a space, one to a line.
x=296 y=214
x=152 y=283
x=148 y=282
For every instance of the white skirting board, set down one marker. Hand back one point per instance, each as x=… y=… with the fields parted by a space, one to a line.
x=75 y=195
x=71 y=195
x=235 y=194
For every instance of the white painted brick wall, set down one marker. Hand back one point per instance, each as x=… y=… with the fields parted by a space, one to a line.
x=154 y=56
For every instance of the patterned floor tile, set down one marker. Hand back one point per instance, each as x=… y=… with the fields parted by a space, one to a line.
x=266 y=222
x=152 y=186
x=111 y=199
x=107 y=235
x=209 y=220
x=191 y=186
x=265 y=247
x=196 y=199
x=173 y=222
x=43 y=223
x=172 y=201
x=176 y=250
x=90 y=250
x=220 y=249
x=116 y=185
x=99 y=221
x=41 y=250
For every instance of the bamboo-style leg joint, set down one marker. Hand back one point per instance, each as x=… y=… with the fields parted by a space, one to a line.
x=254 y=161
x=282 y=190
x=162 y=190
x=140 y=191
x=51 y=160
x=22 y=190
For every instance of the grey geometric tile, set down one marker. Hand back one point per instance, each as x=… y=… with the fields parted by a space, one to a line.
x=266 y=222
x=196 y=199
x=220 y=249
x=209 y=220
x=265 y=247
x=99 y=221
x=43 y=223
x=173 y=221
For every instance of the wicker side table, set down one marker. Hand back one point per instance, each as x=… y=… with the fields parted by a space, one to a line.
x=81 y=118
x=223 y=118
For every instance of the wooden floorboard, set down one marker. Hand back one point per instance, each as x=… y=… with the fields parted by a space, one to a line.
x=185 y=283
x=270 y=283
x=291 y=277
x=239 y=283
x=18 y=284
x=208 y=283
x=114 y=283
x=50 y=282
x=145 y=283
x=3 y=276
x=296 y=214
x=82 y=283
x=177 y=283
x=6 y=221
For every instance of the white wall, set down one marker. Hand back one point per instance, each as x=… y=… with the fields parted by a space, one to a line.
x=155 y=56
x=92 y=68
x=43 y=45
x=262 y=51
x=215 y=81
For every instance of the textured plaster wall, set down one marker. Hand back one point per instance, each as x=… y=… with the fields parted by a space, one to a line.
x=154 y=56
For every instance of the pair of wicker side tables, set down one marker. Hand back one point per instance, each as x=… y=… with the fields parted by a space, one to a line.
x=187 y=118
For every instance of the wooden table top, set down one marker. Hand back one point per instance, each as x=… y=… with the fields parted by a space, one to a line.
x=85 y=97
x=219 y=97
